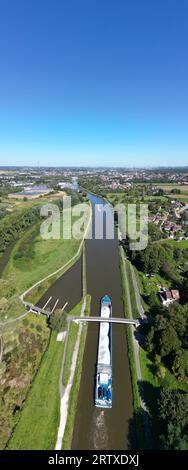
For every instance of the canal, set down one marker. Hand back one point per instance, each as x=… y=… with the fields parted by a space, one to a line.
x=111 y=428
x=94 y=428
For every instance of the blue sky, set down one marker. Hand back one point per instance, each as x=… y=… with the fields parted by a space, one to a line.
x=94 y=82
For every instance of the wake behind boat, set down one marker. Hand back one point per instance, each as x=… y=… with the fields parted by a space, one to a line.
x=103 y=390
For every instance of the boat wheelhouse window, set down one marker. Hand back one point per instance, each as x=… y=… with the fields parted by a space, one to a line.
x=100 y=392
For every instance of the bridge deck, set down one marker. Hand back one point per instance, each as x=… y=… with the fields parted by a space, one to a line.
x=120 y=320
x=106 y=320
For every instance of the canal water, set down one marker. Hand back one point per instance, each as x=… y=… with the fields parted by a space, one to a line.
x=112 y=428
x=67 y=290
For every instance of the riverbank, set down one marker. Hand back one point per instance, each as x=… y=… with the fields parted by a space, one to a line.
x=140 y=441
x=75 y=384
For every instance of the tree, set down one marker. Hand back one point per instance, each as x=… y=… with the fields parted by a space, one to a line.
x=174 y=438
x=58 y=320
x=184 y=218
x=180 y=364
x=7 y=287
x=149 y=341
x=178 y=318
x=184 y=291
x=172 y=407
x=175 y=191
x=168 y=272
x=4 y=304
x=160 y=192
x=168 y=341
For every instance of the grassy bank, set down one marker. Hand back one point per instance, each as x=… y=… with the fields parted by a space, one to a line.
x=37 y=427
x=76 y=385
x=135 y=312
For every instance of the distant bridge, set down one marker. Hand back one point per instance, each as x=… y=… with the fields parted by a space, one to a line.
x=122 y=320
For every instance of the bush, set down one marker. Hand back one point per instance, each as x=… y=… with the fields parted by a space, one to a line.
x=161 y=372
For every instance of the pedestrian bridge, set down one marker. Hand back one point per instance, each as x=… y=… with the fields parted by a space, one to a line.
x=121 y=320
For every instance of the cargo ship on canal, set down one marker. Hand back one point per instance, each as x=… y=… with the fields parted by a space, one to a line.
x=103 y=389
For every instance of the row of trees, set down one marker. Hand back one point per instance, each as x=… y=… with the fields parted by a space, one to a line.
x=16 y=223
x=166 y=341
x=167 y=338
x=160 y=258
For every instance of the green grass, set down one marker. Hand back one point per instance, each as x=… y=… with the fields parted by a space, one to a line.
x=37 y=427
x=132 y=291
x=141 y=444
x=67 y=440
x=33 y=258
x=151 y=391
x=180 y=198
x=155 y=198
x=178 y=243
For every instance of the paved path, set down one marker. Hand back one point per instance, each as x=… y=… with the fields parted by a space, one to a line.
x=13 y=320
x=137 y=359
x=65 y=391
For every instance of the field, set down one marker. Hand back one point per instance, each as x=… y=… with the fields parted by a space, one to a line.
x=34 y=258
x=37 y=427
x=168 y=187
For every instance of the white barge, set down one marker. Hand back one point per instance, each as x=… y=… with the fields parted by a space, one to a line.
x=103 y=389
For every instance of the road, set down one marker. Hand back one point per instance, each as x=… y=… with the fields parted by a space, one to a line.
x=136 y=350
